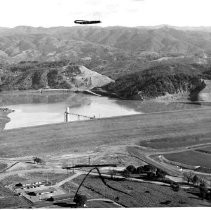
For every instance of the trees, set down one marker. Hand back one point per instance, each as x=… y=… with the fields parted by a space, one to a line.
x=139 y=170
x=203 y=189
x=188 y=177
x=80 y=200
x=131 y=169
x=38 y=160
x=126 y=173
x=175 y=186
x=195 y=180
x=160 y=173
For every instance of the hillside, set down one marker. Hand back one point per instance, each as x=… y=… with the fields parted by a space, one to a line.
x=59 y=75
x=157 y=81
x=140 y=59
x=113 y=51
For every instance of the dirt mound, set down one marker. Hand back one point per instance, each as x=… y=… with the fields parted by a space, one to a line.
x=80 y=77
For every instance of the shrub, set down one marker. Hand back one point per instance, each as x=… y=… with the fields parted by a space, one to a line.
x=131 y=169
x=126 y=173
x=80 y=200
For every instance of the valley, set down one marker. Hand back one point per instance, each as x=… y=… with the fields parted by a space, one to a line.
x=146 y=92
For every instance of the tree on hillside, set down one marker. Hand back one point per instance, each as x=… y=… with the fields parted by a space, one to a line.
x=160 y=173
x=203 y=189
x=140 y=170
x=126 y=173
x=188 y=177
x=38 y=160
x=175 y=186
x=80 y=200
x=131 y=169
x=195 y=180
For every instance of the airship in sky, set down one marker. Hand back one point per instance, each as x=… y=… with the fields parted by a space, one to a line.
x=87 y=21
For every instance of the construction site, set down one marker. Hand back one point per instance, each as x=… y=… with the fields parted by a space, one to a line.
x=127 y=161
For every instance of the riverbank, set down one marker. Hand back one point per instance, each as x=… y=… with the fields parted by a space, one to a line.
x=4 y=117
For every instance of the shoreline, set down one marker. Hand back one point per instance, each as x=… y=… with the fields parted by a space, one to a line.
x=4 y=119
x=168 y=98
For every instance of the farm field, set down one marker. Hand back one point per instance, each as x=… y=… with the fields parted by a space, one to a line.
x=191 y=158
x=9 y=200
x=134 y=194
x=168 y=129
x=179 y=141
x=205 y=150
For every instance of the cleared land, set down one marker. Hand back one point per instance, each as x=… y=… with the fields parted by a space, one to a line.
x=57 y=139
x=191 y=158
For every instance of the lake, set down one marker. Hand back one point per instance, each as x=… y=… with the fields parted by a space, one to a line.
x=33 y=109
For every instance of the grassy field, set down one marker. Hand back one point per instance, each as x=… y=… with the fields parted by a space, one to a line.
x=191 y=158
x=13 y=179
x=9 y=200
x=3 y=166
x=178 y=141
x=205 y=150
x=83 y=136
x=138 y=194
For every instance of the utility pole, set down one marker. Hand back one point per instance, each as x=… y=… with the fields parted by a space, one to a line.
x=66 y=114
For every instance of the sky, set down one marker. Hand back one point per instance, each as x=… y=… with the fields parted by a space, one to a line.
x=130 y=13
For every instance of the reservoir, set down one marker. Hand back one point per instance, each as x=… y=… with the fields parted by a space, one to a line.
x=47 y=109
x=33 y=108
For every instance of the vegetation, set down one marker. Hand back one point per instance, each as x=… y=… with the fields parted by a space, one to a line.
x=157 y=81
x=38 y=160
x=175 y=142
x=80 y=200
x=191 y=158
x=3 y=166
x=140 y=194
x=9 y=200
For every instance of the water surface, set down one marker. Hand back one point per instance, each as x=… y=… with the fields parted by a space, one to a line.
x=39 y=110
x=33 y=109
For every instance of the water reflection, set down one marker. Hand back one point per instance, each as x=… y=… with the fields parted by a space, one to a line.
x=38 y=109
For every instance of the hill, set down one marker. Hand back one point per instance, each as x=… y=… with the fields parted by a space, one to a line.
x=113 y=51
x=142 y=57
x=59 y=75
x=157 y=81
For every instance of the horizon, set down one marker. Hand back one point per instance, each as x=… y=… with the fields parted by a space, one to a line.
x=112 y=26
x=126 y=13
